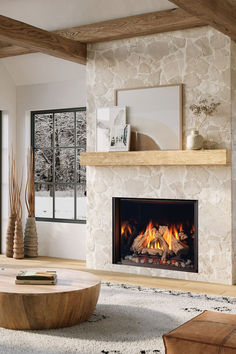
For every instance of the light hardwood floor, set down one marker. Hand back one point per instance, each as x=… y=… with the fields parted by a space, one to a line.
x=153 y=282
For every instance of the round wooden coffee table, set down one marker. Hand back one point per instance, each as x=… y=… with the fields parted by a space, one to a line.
x=72 y=300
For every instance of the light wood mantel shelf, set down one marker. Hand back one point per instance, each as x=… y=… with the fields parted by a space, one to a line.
x=157 y=158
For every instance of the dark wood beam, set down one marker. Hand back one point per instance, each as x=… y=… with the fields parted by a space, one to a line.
x=220 y=14
x=132 y=26
x=38 y=40
x=9 y=50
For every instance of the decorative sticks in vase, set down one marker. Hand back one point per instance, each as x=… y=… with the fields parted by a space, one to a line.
x=18 y=243
x=12 y=202
x=31 y=238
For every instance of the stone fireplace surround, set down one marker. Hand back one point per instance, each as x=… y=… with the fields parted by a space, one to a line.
x=212 y=190
x=202 y=61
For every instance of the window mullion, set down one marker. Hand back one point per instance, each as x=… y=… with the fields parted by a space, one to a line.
x=53 y=167
x=75 y=170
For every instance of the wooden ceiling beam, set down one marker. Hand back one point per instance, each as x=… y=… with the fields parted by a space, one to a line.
x=132 y=26
x=220 y=14
x=38 y=40
x=9 y=50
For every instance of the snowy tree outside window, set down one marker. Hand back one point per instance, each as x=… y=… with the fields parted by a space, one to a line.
x=58 y=138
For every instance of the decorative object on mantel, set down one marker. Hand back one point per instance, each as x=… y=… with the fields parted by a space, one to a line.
x=12 y=204
x=31 y=238
x=107 y=118
x=194 y=140
x=18 y=242
x=155 y=115
x=120 y=138
x=204 y=108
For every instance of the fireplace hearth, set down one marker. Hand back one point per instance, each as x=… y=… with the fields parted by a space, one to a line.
x=156 y=233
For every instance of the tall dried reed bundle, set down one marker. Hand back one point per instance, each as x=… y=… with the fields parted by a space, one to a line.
x=29 y=189
x=12 y=184
x=18 y=244
x=18 y=191
x=31 y=237
x=12 y=205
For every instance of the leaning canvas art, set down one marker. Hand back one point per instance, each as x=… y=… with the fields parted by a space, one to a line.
x=155 y=115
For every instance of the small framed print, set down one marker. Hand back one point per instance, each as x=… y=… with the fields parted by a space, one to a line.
x=107 y=118
x=120 y=138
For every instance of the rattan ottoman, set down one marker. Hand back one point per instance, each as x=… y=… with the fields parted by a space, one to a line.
x=209 y=333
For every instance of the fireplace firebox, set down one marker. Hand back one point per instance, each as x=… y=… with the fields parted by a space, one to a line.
x=157 y=233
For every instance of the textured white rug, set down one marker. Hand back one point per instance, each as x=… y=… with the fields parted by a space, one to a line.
x=128 y=319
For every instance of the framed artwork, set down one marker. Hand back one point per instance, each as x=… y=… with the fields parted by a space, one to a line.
x=120 y=138
x=108 y=117
x=155 y=116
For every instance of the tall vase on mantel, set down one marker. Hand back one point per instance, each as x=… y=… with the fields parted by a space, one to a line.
x=31 y=237
x=194 y=140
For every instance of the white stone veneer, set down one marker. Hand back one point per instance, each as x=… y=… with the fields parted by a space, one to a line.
x=212 y=190
x=199 y=58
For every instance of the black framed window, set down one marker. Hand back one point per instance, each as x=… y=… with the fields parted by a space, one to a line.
x=58 y=138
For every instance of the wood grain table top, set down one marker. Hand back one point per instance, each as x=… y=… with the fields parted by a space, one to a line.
x=67 y=281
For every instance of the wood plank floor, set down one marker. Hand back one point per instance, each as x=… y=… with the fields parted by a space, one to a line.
x=153 y=282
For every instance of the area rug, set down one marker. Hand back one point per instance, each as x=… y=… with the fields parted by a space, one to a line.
x=127 y=319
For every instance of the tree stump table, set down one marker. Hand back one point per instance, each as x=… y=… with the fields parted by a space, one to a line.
x=72 y=300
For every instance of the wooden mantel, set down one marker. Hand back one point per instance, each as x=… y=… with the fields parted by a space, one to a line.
x=157 y=158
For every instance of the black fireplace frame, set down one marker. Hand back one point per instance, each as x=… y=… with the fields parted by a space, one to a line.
x=116 y=227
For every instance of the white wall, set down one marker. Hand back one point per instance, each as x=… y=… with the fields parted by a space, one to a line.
x=8 y=108
x=55 y=239
x=38 y=68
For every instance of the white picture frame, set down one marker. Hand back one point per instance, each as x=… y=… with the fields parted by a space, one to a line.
x=106 y=118
x=155 y=115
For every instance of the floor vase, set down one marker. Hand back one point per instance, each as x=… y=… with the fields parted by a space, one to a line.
x=31 y=238
x=10 y=236
x=18 y=243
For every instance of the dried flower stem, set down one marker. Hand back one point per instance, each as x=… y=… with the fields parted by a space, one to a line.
x=18 y=190
x=205 y=109
x=29 y=189
x=12 y=184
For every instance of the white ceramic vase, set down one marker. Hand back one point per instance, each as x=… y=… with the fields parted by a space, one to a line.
x=194 y=140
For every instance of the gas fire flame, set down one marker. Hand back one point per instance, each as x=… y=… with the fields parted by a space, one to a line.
x=151 y=229
x=126 y=230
